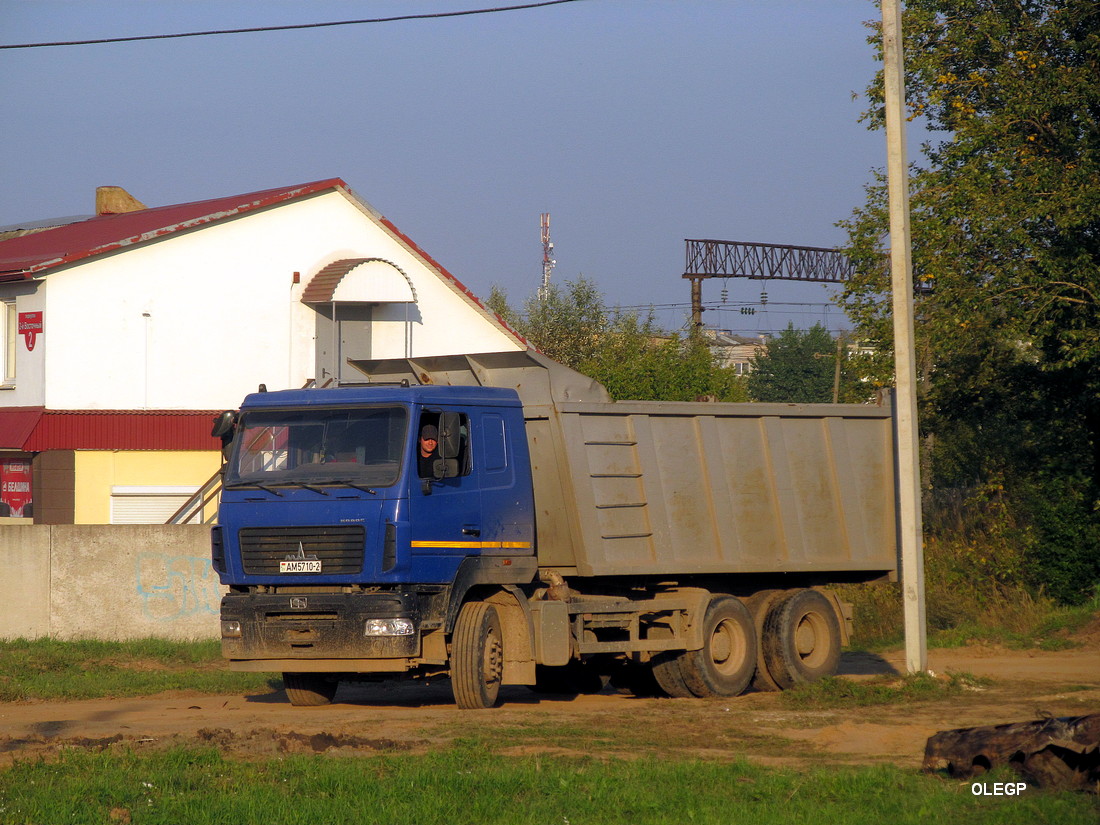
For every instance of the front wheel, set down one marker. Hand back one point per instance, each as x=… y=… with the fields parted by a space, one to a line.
x=309 y=690
x=477 y=657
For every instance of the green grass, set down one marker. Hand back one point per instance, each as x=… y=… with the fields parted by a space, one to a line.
x=463 y=785
x=834 y=692
x=51 y=669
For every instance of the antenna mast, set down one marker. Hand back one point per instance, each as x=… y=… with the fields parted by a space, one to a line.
x=547 y=256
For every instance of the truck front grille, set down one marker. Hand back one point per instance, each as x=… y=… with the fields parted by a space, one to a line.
x=340 y=549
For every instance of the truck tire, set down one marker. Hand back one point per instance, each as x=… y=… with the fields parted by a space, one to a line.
x=759 y=604
x=725 y=664
x=477 y=656
x=666 y=670
x=801 y=639
x=309 y=690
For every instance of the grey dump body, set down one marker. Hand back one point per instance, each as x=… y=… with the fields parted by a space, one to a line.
x=645 y=488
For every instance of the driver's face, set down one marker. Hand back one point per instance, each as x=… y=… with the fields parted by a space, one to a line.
x=427 y=445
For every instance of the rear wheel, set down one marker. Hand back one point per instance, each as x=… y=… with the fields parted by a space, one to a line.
x=670 y=678
x=759 y=603
x=308 y=690
x=725 y=664
x=801 y=639
x=477 y=657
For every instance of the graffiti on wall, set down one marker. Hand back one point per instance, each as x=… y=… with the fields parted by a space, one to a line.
x=175 y=587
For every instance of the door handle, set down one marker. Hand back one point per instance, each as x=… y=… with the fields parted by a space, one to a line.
x=471 y=531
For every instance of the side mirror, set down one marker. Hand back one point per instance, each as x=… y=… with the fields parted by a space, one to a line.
x=224 y=424
x=445 y=468
x=450 y=435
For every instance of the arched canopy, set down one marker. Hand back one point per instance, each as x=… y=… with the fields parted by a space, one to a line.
x=360 y=280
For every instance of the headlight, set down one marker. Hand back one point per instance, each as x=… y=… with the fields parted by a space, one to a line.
x=389 y=627
x=231 y=630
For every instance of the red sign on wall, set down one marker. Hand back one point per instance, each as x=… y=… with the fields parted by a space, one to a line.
x=15 y=488
x=30 y=326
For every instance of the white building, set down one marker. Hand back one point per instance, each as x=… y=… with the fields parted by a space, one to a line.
x=123 y=333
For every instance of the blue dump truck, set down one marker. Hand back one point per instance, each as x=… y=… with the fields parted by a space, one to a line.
x=548 y=536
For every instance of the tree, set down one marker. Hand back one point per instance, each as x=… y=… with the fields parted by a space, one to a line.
x=623 y=351
x=799 y=367
x=565 y=324
x=635 y=360
x=1006 y=232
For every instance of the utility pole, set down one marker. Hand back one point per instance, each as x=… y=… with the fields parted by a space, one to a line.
x=697 y=308
x=836 y=365
x=901 y=279
x=836 y=370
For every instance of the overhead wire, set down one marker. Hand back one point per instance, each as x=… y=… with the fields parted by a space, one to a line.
x=289 y=27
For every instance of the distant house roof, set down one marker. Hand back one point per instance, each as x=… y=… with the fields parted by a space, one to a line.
x=32 y=254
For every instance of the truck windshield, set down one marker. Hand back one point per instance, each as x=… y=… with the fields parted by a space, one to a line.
x=361 y=446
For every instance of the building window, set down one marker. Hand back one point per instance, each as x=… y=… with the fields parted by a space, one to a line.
x=9 y=325
x=147 y=505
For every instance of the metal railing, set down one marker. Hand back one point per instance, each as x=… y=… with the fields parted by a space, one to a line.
x=194 y=510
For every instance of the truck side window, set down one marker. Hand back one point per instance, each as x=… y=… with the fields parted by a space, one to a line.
x=428 y=444
x=493 y=443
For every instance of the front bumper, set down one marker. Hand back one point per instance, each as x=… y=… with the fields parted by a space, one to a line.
x=317 y=626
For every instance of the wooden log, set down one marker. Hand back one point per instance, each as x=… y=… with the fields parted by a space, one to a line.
x=1052 y=753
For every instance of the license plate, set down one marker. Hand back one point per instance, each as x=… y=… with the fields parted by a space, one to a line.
x=303 y=566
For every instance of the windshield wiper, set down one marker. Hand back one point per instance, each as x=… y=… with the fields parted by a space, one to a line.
x=264 y=487
x=312 y=488
x=348 y=483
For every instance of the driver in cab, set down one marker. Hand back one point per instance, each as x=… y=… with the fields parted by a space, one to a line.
x=426 y=454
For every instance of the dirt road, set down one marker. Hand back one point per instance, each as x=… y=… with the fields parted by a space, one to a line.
x=414 y=717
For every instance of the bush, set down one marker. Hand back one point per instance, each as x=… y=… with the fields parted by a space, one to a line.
x=1063 y=555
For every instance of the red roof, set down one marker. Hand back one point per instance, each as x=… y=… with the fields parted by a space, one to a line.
x=27 y=255
x=33 y=429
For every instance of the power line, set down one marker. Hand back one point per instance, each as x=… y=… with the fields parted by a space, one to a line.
x=397 y=18
x=715 y=305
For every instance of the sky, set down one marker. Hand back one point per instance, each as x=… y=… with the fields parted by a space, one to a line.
x=634 y=123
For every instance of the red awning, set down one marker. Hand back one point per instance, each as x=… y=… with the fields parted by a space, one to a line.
x=34 y=429
x=16 y=426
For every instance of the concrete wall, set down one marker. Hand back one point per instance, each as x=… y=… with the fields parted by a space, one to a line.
x=113 y=582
